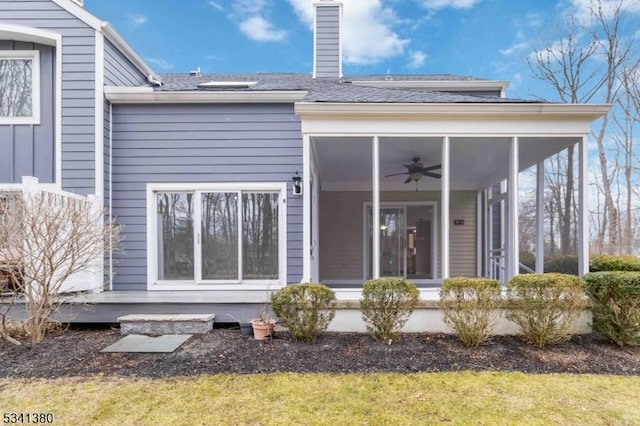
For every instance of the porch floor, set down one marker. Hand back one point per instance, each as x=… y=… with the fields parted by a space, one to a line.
x=228 y=306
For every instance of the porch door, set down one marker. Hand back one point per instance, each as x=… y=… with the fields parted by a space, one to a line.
x=393 y=233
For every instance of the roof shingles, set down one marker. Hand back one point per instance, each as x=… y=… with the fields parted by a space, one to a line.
x=339 y=91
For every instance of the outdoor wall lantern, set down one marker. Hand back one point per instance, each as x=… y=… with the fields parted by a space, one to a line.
x=297 y=184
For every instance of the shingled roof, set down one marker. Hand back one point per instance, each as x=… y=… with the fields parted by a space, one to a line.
x=339 y=91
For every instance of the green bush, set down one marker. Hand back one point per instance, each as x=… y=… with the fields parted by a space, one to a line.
x=616 y=305
x=386 y=305
x=545 y=306
x=305 y=309
x=607 y=262
x=561 y=264
x=470 y=306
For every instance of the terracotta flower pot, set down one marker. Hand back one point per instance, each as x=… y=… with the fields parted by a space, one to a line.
x=261 y=329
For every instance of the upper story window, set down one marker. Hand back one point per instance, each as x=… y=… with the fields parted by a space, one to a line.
x=19 y=87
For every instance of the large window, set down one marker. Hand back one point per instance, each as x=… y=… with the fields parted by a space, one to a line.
x=221 y=235
x=19 y=86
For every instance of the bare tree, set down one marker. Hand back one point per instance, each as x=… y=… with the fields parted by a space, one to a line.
x=53 y=237
x=585 y=64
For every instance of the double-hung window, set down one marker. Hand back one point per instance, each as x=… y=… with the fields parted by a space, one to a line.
x=218 y=235
x=19 y=87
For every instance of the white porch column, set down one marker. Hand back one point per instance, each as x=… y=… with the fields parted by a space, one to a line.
x=444 y=210
x=583 y=212
x=375 y=262
x=540 y=217
x=306 y=208
x=512 y=255
x=479 y=231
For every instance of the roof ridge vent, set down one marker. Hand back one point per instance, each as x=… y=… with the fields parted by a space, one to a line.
x=195 y=73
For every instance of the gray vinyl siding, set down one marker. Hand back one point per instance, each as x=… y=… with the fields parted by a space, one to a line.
x=199 y=143
x=29 y=149
x=118 y=70
x=78 y=85
x=327 y=35
x=341 y=231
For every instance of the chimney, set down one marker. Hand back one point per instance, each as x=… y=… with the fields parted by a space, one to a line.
x=327 y=39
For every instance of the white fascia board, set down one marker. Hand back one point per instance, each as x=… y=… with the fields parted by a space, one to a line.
x=325 y=110
x=441 y=85
x=148 y=95
x=112 y=35
x=80 y=13
x=29 y=34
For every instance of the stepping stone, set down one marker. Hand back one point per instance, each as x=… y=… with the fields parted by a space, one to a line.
x=148 y=344
x=166 y=323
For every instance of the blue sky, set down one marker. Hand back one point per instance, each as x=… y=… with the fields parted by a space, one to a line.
x=483 y=38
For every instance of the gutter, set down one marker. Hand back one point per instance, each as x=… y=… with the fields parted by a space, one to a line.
x=504 y=110
x=146 y=95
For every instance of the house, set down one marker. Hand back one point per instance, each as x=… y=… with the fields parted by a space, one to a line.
x=231 y=185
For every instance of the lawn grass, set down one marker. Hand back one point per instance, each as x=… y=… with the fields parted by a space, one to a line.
x=337 y=399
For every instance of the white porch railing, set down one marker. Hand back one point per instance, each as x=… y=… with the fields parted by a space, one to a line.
x=81 y=281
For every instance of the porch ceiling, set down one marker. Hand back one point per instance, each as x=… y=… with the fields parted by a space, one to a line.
x=345 y=163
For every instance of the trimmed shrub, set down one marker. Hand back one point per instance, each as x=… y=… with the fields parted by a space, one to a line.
x=470 y=306
x=561 y=264
x=608 y=262
x=305 y=309
x=545 y=306
x=386 y=306
x=616 y=306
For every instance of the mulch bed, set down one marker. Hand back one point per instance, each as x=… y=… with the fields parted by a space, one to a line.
x=76 y=352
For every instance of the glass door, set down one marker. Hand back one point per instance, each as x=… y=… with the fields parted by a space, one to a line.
x=392 y=242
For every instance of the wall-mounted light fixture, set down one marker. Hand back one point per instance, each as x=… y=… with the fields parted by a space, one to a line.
x=297 y=184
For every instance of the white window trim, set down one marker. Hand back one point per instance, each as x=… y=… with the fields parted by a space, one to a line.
x=33 y=55
x=198 y=284
x=434 y=231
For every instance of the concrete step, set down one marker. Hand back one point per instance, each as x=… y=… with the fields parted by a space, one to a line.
x=155 y=324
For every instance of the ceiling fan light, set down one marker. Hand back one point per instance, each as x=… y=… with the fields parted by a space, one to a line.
x=416 y=175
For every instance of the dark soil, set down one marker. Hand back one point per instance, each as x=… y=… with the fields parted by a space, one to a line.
x=76 y=352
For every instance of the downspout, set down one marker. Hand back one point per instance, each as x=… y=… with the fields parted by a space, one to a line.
x=110 y=194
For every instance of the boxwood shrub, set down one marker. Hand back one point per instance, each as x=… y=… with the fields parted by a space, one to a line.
x=608 y=262
x=471 y=307
x=545 y=306
x=305 y=309
x=616 y=306
x=386 y=306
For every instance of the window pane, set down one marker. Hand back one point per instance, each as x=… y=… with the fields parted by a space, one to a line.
x=259 y=236
x=219 y=236
x=16 y=80
x=175 y=236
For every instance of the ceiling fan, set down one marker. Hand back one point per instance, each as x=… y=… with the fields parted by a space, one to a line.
x=416 y=170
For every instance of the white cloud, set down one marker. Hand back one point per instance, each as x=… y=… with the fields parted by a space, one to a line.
x=215 y=5
x=455 y=4
x=582 y=8
x=368 y=36
x=416 y=59
x=259 y=29
x=252 y=18
x=517 y=47
x=534 y=19
x=160 y=63
x=135 y=19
